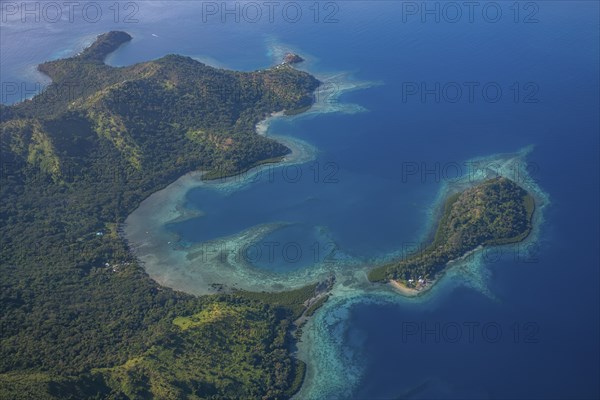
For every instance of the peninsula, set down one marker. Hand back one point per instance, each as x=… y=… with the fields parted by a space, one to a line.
x=494 y=212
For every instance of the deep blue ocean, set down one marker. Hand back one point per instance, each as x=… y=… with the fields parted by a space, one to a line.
x=446 y=92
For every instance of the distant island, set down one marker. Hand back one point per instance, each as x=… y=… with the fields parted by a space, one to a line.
x=493 y=212
x=82 y=318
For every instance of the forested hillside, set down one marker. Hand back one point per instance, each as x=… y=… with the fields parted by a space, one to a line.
x=80 y=318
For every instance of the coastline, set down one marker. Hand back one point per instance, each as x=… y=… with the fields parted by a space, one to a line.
x=405 y=290
x=462 y=271
x=243 y=275
x=193 y=267
x=262 y=126
x=143 y=228
x=171 y=207
x=456 y=273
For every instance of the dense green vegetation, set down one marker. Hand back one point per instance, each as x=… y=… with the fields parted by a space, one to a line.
x=292 y=300
x=201 y=358
x=80 y=317
x=213 y=347
x=494 y=212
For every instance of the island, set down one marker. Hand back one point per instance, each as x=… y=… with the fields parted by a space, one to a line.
x=80 y=317
x=494 y=212
x=291 y=58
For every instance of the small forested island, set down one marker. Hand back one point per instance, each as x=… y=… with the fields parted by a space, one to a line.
x=494 y=212
x=80 y=317
x=291 y=58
